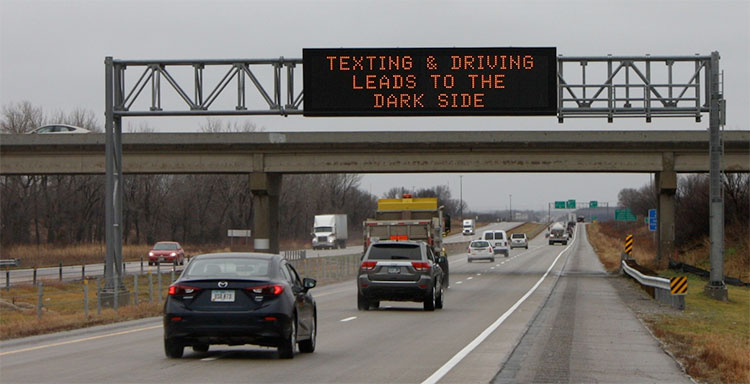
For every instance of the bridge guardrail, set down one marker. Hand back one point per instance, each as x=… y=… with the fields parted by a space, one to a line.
x=657 y=287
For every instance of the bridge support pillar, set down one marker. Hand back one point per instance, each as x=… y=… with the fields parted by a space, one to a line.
x=666 y=187
x=266 y=188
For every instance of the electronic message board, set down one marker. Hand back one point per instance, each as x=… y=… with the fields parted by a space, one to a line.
x=430 y=81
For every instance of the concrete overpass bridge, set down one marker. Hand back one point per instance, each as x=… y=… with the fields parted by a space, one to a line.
x=266 y=156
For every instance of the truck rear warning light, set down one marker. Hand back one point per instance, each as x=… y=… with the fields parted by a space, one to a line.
x=420 y=266
x=368 y=265
x=399 y=237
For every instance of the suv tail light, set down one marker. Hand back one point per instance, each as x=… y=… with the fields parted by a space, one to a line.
x=490 y=249
x=420 y=266
x=180 y=290
x=267 y=290
x=368 y=265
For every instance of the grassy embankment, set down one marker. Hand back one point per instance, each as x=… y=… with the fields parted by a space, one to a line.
x=710 y=338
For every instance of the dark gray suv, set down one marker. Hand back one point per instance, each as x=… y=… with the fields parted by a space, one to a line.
x=400 y=271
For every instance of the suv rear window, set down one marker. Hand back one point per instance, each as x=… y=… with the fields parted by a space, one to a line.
x=479 y=244
x=394 y=252
x=517 y=236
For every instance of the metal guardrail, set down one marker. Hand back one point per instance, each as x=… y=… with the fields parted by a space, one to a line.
x=10 y=262
x=659 y=287
x=650 y=281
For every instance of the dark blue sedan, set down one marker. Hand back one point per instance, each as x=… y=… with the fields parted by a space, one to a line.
x=237 y=299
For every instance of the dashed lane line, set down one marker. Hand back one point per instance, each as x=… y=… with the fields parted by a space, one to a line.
x=348 y=319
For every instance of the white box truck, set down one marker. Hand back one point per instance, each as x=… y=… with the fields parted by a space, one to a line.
x=329 y=231
x=468 y=227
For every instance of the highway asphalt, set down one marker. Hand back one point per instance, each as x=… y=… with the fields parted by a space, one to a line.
x=488 y=310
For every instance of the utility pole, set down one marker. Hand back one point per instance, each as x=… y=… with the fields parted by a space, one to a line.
x=461 y=196
x=510 y=196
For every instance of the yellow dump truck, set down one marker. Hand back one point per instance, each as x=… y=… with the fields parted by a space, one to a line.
x=410 y=218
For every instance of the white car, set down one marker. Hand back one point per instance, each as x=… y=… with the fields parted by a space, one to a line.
x=480 y=250
x=59 y=128
x=499 y=241
x=519 y=240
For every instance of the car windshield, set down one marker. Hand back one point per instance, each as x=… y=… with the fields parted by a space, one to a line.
x=395 y=252
x=228 y=268
x=165 y=246
x=479 y=244
x=517 y=236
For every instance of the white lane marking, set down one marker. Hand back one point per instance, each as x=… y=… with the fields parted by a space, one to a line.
x=210 y=358
x=502 y=262
x=348 y=319
x=442 y=371
x=497 y=265
x=459 y=282
x=469 y=278
x=492 y=267
x=80 y=340
x=479 y=274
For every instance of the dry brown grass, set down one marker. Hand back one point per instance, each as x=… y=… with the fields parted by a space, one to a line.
x=710 y=338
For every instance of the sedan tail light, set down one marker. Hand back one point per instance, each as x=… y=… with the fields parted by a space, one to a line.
x=180 y=290
x=490 y=249
x=267 y=290
x=421 y=266
x=368 y=265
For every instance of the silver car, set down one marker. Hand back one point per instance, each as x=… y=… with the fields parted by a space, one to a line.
x=400 y=271
x=481 y=250
x=519 y=240
x=59 y=128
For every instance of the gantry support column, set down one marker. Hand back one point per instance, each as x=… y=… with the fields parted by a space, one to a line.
x=666 y=187
x=266 y=188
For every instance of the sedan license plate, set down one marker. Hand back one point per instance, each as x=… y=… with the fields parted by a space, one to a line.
x=394 y=269
x=225 y=296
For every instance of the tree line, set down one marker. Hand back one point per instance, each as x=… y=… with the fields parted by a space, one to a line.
x=692 y=216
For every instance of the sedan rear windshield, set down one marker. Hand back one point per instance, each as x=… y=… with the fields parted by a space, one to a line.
x=228 y=268
x=517 y=236
x=479 y=244
x=165 y=246
x=395 y=252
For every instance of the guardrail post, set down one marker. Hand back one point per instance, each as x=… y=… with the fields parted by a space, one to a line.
x=86 y=299
x=98 y=296
x=7 y=279
x=60 y=271
x=39 y=302
x=33 y=280
x=83 y=271
x=135 y=289
x=141 y=265
x=150 y=287
x=158 y=279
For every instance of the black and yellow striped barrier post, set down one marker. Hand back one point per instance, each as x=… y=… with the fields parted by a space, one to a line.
x=629 y=246
x=678 y=285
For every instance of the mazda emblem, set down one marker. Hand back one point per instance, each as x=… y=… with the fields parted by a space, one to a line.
x=223 y=284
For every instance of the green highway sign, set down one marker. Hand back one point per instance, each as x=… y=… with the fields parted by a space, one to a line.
x=624 y=215
x=559 y=205
x=571 y=204
x=593 y=204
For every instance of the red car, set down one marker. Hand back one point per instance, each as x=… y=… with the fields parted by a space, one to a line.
x=166 y=251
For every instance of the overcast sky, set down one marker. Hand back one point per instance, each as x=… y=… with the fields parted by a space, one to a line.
x=52 y=54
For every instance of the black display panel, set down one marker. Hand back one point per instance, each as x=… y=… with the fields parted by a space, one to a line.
x=430 y=81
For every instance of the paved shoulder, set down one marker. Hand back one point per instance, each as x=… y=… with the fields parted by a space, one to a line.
x=585 y=333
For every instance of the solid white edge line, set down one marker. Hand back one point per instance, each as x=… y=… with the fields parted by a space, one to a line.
x=442 y=371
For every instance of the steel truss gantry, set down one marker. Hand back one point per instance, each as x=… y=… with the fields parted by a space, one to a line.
x=604 y=87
